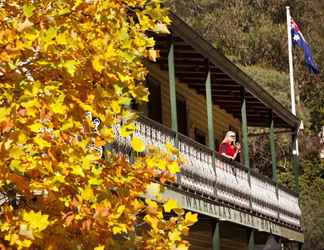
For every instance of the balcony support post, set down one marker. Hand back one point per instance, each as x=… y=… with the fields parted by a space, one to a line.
x=216 y=237
x=244 y=131
x=295 y=160
x=211 y=137
x=300 y=246
x=172 y=86
x=209 y=102
x=251 y=245
x=273 y=149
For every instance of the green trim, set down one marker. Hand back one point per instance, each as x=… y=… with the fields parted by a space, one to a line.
x=300 y=246
x=172 y=85
x=245 y=218
x=216 y=237
x=244 y=131
x=272 y=138
x=209 y=102
x=251 y=240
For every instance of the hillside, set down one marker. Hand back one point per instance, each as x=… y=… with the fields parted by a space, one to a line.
x=253 y=35
x=258 y=42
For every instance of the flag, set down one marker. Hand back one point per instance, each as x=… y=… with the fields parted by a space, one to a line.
x=299 y=40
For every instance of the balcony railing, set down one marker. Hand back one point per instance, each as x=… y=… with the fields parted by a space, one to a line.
x=220 y=179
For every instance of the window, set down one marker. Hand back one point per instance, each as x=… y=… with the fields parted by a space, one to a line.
x=154 y=106
x=200 y=136
x=182 y=115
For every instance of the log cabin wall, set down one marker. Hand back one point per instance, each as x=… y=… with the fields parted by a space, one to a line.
x=196 y=108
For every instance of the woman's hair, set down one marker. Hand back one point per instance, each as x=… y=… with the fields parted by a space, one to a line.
x=228 y=135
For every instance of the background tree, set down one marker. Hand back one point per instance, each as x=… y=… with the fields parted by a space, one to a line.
x=63 y=63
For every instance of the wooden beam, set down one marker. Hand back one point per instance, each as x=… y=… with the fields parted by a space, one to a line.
x=216 y=236
x=194 y=68
x=273 y=148
x=211 y=139
x=244 y=131
x=251 y=245
x=186 y=55
x=231 y=100
x=215 y=85
x=172 y=86
x=200 y=45
x=189 y=61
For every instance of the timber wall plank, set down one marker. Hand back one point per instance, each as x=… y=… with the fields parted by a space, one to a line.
x=196 y=108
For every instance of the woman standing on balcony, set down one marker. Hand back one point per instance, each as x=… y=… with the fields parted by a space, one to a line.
x=228 y=147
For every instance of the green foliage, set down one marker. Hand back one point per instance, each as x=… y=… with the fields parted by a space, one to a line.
x=272 y=80
x=255 y=33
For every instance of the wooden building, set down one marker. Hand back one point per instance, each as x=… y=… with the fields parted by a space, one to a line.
x=197 y=94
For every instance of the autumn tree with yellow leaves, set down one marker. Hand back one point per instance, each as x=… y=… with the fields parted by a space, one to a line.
x=62 y=63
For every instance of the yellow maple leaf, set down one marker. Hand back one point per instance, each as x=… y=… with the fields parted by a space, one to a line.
x=70 y=66
x=16 y=152
x=77 y=170
x=67 y=124
x=41 y=142
x=35 y=127
x=22 y=138
x=190 y=219
x=127 y=129
x=87 y=194
x=181 y=247
x=120 y=228
x=169 y=205
x=37 y=222
x=100 y=247
x=137 y=144
x=119 y=211
x=173 y=167
x=25 y=230
x=4 y=113
x=151 y=203
x=153 y=189
x=28 y=10
x=152 y=54
x=88 y=160
x=107 y=133
x=115 y=106
x=58 y=106
x=97 y=64
x=152 y=221
x=174 y=235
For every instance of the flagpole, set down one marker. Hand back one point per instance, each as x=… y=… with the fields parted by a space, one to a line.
x=291 y=67
x=295 y=151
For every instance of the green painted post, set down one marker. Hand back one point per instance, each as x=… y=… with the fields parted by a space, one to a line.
x=251 y=240
x=172 y=86
x=273 y=149
x=216 y=237
x=209 y=101
x=300 y=246
x=295 y=161
x=211 y=137
x=244 y=131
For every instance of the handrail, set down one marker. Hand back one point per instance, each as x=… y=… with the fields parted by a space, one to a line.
x=222 y=178
x=217 y=155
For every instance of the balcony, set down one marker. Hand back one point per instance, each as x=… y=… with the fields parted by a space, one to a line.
x=219 y=180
